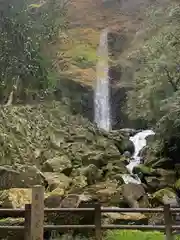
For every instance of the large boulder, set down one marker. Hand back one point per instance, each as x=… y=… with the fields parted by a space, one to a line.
x=15 y=197
x=69 y=201
x=135 y=195
x=78 y=183
x=125 y=145
x=60 y=164
x=92 y=174
x=57 y=180
x=144 y=170
x=161 y=178
x=124 y=218
x=165 y=196
x=20 y=176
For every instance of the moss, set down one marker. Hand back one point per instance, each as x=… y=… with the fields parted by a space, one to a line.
x=145 y=170
x=83 y=56
x=160 y=194
x=177 y=184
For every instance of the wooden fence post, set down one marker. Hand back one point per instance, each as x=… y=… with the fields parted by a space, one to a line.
x=168 y=222
x=97 y=221
x=27 y=222
x=37 y=213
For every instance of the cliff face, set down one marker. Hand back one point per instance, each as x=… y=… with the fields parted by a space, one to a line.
x=126 y=22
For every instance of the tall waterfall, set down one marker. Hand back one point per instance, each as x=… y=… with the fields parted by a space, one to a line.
x=101 y=95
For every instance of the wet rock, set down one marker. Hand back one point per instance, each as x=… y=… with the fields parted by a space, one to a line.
x=144 y=170
x=125 y=145
x=135 y=195
x=60 y=164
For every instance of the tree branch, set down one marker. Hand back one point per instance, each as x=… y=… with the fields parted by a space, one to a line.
x=170 y=79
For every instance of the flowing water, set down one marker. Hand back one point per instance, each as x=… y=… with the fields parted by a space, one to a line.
x=102 y=107
x=139 y=141
x=101 y=98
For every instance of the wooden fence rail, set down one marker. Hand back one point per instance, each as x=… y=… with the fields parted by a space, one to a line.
x=34 y=218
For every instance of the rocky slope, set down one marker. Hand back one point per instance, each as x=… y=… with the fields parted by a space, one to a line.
x=78 y=165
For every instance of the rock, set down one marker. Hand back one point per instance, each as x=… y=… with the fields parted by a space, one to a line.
x=107 y=193
x=60 y=164
x=78 y=183
x=154 y=162
x=54 y=198
x=165 y=196
x=15 y=197
x=163 y=178
x=124 y=218
x=92 y=174
x=57 y=180
x=70 y=201
x=116 y=168
x=177 y=185
x=144 y=170
x=128 y=131
x=9 y=235
x=125 y=145
x=153 y=183
x=96 y=158
x=20 y=176
x=135 y=195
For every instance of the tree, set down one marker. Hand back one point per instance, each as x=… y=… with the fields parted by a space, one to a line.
x=25 y=29
x=156 y=94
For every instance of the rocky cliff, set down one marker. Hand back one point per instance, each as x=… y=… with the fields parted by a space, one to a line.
x=127 y=24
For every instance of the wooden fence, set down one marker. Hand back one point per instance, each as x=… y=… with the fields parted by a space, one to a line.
x=34 y=218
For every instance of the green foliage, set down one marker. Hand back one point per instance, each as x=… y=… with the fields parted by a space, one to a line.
x=26 y=28
x=156 y=94
x=134 y=235
x=83 y=56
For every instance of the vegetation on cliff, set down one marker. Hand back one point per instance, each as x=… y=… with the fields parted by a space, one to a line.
x=27 y=29
x=156 y=93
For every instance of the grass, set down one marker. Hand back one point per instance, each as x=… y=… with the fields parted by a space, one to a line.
x=122 y=235
x=134 y=235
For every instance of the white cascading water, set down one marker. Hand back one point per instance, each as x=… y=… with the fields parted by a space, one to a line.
x=101 y=98
x=102 y=107
x=139 y=141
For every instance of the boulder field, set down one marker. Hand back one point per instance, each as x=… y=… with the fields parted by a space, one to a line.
x=77 y=164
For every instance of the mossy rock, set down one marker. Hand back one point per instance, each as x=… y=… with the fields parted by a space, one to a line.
x=177 y=184
x=125 y=145
x=57 y=180
x=8 y=235
x=15 y=197
x=165 y=196
x=145 y=170
x=92 y=174
x=61 y=164
x=20 y=176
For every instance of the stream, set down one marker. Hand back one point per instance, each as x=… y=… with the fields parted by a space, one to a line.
x=139 y=141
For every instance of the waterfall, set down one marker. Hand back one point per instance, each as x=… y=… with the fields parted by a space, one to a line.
x=101 y=95
x=139 y=141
